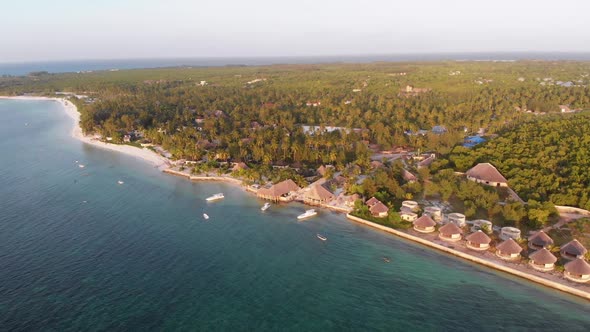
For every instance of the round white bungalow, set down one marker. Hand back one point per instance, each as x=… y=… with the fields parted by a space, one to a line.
x=434 y=212
x=457 y=219
x=450 y=232
x=577 y=270
x=540 y=240
x=542 y=260
x=424 y=224
x=572 y=250
x=508 y=250
x=510 y=233
x=484 y=225
x=410 y=205
x=478 y=241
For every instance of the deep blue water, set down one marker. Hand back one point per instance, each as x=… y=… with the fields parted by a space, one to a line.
x=78 y=252
x=16 y=69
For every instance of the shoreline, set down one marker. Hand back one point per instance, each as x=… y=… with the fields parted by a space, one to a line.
x=203 y=177
x=164 y=164
x=158 y=161
x=479 y=260
x=71 y=111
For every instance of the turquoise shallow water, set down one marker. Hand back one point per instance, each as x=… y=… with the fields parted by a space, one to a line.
x=138 y=256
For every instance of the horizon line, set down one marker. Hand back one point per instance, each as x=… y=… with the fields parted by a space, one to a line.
x=433 y=54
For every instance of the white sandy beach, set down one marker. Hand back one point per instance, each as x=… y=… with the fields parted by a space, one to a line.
x=72 y=111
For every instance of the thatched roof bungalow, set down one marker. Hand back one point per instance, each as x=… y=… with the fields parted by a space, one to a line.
x=379 y=210
x=279 y=191
x=486 y=173
x=317 y=195
x=239 y=166
x=572 y=250
x=409 y=177
x=577 y=270
x=424 y=224
x=427 y=162
x=542 y=260
x=478 y=241
x=450 y=232
x=372 y=201
x=508 y=250
x=323 y=169
x=350 y=200
x=540 y=240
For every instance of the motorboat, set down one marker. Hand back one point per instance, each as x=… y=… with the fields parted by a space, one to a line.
x=321 y=237
x=307 y=214
x=265 y=206
x=215 y=197
x=206 y=216
x=81 y=166
x=120 y=182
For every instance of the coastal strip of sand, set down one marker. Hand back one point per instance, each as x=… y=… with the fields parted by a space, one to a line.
x=164 y=164
x=72 y=111
x=203 y=177
x=475 y=259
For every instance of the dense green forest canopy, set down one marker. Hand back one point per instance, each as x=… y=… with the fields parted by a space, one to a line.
x=544 y=159
x=256 y=114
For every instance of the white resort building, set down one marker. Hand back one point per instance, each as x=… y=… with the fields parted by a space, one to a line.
x=434 y=212
x=457 y=219
x=410 y=205
x=482 y=224
x=510 y=233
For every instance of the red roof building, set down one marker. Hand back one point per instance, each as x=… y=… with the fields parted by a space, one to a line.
x=486 y=173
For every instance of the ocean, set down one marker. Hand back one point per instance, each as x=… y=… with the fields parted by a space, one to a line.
x=24 y=68
x=80 y=252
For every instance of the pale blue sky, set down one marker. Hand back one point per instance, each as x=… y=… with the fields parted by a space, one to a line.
x=36 y=30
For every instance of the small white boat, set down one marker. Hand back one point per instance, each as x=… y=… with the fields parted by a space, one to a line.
x=206 y=216
x=120 y=182
x=215 y=197
x=81 y=166
x=321 y=237
x=307 y=214
x=265 y=206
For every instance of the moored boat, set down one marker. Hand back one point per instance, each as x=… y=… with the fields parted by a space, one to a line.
x=265 y=206
x=308 y=213
x=206 y=216
x=215 y=197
